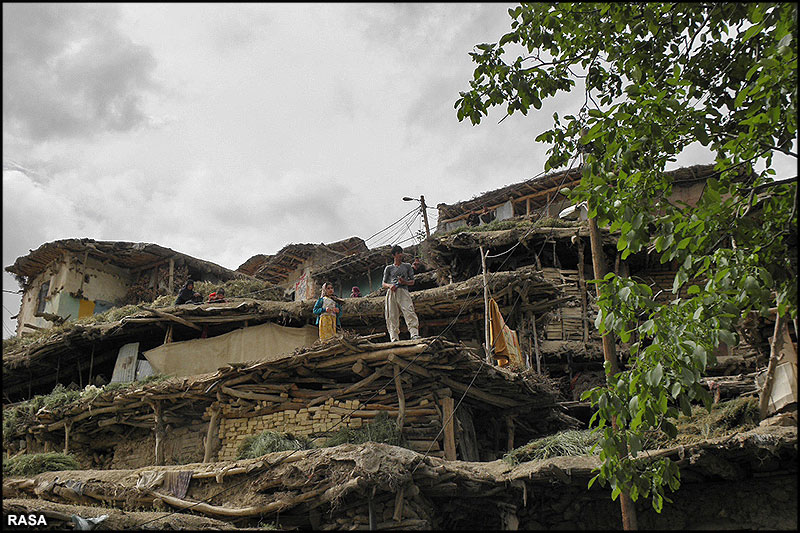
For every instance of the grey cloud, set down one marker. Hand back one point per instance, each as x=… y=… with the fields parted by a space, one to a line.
x=237 y=28
x=68 y=72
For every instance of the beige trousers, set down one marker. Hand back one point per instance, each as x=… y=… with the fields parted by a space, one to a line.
x=397 y=302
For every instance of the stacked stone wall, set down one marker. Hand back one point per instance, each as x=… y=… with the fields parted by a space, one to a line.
x=311 y=422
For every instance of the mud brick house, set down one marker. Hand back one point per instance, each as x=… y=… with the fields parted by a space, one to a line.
x=291 y=268
x=539 y=198
x=365 y=271
x=73 y=278
x=345 y=382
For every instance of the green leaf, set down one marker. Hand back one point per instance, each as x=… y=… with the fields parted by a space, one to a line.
x=657 y=374
x=727 y=337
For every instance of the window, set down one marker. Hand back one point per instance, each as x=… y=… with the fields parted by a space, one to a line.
x=43 y=297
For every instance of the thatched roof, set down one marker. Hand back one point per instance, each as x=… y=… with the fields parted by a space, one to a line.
x=460 y=303
x=276 y=268
x=359 y=263
x=129 y=255
x=439 y=361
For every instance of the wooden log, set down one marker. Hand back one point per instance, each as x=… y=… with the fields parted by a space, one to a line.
x=355 y=386
x=372 y=356
x=159 y=432
x=215 y=510
x=401 y=398
x=510 y=428
x=251 y=395
x=172 y=317
x=211 y=435
x=411 y=367
x=776 y=347
x=360 y=368
x=398 y=505
x=67 y=428
x=478 y=394
x=449 y=429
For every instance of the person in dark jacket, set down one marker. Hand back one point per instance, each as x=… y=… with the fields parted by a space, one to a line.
x=187 y=295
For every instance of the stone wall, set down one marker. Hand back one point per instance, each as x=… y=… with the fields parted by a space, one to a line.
x=311 y=422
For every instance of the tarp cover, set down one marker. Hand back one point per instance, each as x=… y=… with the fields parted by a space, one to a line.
x=504 y=340
x=265 y=342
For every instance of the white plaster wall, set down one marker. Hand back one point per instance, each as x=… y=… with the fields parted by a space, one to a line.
x=106 y=282
x=505 y=211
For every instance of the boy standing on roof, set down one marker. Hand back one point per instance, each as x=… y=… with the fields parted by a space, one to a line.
x=397 y=277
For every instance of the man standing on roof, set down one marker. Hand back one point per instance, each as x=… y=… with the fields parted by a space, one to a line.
x=397 y=277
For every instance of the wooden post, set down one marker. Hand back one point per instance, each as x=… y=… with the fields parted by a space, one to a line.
x=67 y=428
x=398 y=504
x=213 y=432
x=449 y=432
x=171 y=282
x=159 y=431
x=401 y=398
x=425 y=216
x=582 y=288
x=510 y=428
x=91 y=366
x=536 y=346
x=776 y=346
x=487 y=344
x=168 y=336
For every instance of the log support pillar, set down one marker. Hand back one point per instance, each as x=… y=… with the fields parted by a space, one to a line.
x=449 y=429
x=159 y=430
x=212 y=436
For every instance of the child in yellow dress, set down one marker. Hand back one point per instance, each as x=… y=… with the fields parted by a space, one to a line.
x=328 y=310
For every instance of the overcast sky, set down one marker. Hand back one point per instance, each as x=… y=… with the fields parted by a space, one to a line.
x=225 y=131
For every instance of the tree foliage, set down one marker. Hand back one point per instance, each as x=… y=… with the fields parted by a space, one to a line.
x=658 y=77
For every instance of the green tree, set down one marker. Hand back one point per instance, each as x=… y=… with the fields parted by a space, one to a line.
x=656 y=78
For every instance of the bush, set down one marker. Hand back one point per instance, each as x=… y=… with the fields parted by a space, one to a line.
x=268 y=442
x=571 y=442
x=381 y=429
x=36 y=463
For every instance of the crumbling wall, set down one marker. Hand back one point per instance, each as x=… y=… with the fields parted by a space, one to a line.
x=182 y=445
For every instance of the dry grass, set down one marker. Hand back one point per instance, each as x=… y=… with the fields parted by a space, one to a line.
x=268 y=442
x=36 y=463
x=17 y=417
x=725 y=418
x=571 y=442
x=382 y=429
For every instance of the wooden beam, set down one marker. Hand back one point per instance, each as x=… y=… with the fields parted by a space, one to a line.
x=213 y=432
x=449 y=431
x=478 y=394
x=172 y=317
x=401 y=397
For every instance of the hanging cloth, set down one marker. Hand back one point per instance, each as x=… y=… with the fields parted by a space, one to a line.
x=504 y=340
